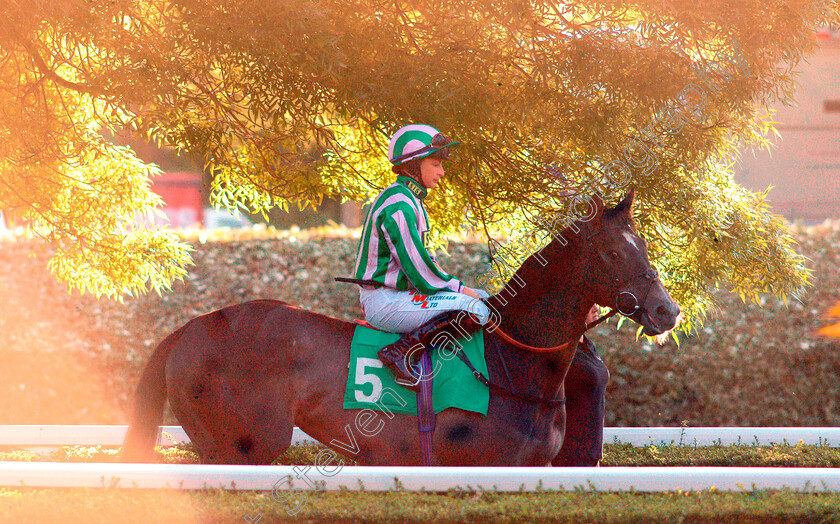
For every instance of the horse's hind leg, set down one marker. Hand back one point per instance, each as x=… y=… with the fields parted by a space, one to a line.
x=265 y=430
x=233 y=424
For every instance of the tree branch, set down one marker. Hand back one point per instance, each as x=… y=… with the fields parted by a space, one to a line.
x=55 y=77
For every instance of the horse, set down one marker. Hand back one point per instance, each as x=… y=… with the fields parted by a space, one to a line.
x=240 y=378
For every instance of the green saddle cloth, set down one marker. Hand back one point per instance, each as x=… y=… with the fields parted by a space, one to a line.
x=371 y=385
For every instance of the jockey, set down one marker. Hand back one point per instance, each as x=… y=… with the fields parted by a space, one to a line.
x=409 y=293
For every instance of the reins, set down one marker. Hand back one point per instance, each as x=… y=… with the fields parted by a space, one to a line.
x=508 y=392
x=496 y=328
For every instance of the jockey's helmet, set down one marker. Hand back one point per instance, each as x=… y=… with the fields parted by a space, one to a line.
x=416 y=141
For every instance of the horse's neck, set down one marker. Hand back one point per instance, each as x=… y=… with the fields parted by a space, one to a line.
x=548 y=310
x=546 y=302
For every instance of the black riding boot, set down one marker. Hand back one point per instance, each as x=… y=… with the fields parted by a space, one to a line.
x=397 y=355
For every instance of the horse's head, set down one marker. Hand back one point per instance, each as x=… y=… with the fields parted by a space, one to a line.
x=619 y=269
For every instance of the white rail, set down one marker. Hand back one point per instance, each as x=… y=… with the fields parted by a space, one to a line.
x=50 y=437
x=277 y=478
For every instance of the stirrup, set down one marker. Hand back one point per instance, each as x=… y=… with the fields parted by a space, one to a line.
x=418 y=372
x=407 y=384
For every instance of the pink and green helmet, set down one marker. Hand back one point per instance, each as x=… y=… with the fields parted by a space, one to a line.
x=416 y=141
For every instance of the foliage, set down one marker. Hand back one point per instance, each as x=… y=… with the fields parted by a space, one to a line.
x=83 y=195
x=289 y=101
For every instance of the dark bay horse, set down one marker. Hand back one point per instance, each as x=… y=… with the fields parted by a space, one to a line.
x=240 y=378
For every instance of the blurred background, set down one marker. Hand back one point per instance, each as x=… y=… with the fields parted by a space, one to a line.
x=70 y=359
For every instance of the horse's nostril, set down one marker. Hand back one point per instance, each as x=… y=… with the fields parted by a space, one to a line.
x=664 y=310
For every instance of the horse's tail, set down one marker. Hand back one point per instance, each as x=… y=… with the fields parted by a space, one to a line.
x=150 y=395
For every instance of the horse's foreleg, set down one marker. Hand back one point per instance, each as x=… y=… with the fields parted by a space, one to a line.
x=585 y=385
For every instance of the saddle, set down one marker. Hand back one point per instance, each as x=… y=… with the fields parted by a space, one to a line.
x=445 y=382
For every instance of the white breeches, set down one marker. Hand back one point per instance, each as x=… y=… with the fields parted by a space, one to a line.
x=403 y=311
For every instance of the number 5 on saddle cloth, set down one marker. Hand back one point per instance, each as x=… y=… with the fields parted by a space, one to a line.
x=370 y=385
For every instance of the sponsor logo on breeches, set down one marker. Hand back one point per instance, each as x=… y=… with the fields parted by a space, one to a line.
x=429 y=301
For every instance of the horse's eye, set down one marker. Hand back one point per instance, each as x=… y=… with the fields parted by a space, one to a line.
x=614 y=255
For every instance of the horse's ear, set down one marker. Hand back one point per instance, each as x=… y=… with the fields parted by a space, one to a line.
x=625 y=207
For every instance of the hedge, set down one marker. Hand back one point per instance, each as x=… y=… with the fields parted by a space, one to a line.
x=70 y=359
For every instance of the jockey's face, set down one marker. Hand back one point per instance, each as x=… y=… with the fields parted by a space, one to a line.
x=431 y=170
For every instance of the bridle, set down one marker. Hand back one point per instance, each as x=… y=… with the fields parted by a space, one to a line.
x=651 y=275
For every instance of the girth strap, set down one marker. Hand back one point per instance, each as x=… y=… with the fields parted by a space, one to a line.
x=505 y=392
x=425 y=408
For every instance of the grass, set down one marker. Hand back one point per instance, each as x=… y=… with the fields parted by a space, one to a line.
x=68 y=506
x=215 y=506
x=616 y=454
x=779 y=455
